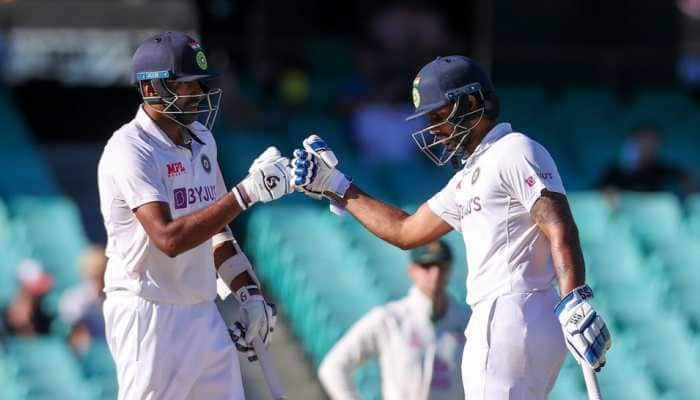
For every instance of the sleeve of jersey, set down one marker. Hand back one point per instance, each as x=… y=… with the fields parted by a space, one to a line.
x=530 y=171
x=138 y=179
x=356 y=346
x=444 y=205
x=220 y=184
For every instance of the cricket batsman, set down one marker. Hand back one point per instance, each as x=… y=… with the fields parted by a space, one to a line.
x=508 y=202
x=166 y=211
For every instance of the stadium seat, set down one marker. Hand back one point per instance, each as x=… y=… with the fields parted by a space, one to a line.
x=569 y=384
x=413 y=182
x=30 y=175
x=678 y=262
x=238 y=149
x=611 y=263
x=49 y=368
x=665 y=346
x=655 y=218
x=625 y=375
x=13 y=388
x=99 y=368
x=693 y=220
x=42 y=219
x=592 y=214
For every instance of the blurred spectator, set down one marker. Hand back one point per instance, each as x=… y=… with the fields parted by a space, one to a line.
x=418 y=339
x=402 y=37
x=81 y=306
x=382 y=132
x=641 y=169
x=24 y=316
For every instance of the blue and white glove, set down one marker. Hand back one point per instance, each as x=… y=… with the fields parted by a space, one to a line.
x=585 y=333
x=257 y=319
x=314 y=171
x=269 y=178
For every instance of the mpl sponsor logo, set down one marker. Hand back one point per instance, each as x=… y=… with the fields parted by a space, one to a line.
x=175 y=169
x=183 y=197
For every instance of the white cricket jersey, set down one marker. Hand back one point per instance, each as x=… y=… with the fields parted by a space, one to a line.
x=419 y=359
x=489 y=202
x=141 y=164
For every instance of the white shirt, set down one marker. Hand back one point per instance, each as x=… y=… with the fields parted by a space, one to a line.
x=141 y=164
x=419 y=359
x=489 y=202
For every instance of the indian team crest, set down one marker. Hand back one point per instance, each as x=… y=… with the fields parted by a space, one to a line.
x=206 y=164
x=415 y=92
x=201 y=60
x=475 y=175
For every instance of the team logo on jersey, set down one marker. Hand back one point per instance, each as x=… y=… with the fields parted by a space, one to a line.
x=530 y=181
x=175 y=169
x=415 y=93
x=475 y=175
x=206 y=164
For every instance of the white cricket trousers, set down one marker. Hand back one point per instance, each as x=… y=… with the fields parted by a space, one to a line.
x=515 y=348
x=170 y=351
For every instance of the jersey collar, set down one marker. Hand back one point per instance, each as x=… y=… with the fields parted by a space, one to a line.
x=154 y=130
x=491 y=137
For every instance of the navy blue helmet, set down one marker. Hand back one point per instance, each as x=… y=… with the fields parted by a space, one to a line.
x=171 y=57
x=444 y=81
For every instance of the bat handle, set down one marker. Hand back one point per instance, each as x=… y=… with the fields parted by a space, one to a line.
x=274 y=383
x=591 y=383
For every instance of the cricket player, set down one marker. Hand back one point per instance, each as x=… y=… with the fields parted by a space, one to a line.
x=418 y=339
x=166 y=212
x=508 y=202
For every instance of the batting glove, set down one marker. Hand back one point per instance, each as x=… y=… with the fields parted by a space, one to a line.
x=269 y=178
x=314 y=171
x=585 y=333
x=257 y=319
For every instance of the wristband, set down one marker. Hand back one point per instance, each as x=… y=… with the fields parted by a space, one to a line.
x=239 y=198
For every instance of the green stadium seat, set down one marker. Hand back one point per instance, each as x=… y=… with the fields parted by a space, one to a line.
x=625 y=375
x=49 y=368
x=13 y=388
x=611 y=263
x=665 y=345
x=693 y=221
x=592 y=214
x=238 y=149
x=569 y=384
x=678 y=262
x=333 y=131
x=99 y=368
x=15 y=132
x=655 y=218
x=39 y=218
x=521 y=104
x=30 y=175
x=413 y=182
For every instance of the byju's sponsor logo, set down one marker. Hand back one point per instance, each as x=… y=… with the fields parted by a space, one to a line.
x=183 y=197
x=180 y=197
x=175 y=169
